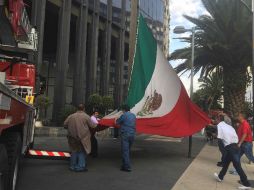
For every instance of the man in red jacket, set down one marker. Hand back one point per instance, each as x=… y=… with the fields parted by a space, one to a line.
x=244 y=133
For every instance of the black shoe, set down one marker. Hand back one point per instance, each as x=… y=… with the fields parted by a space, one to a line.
x=125 y=169
x=219 y=164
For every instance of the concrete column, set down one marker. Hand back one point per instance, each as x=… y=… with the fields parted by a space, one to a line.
x=62 y=58
x=38 y=20
x=120 y=58
x=107 y=50
x=93 y=49
x=79 y=73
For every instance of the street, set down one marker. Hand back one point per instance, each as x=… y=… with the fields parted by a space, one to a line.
x=157 y=163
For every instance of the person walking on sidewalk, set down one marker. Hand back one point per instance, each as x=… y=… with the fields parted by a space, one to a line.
x=230 y=139
x=127 y=122
x=244 y=133
x=78 y=136
x=227 y=120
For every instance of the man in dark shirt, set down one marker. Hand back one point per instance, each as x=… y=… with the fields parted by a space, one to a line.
x=127 y=123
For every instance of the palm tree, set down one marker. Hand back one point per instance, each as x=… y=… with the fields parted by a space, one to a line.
x=223 y=40
x=212 y=86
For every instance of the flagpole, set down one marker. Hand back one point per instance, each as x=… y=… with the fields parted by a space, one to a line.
x=191 y=82
x=252 y=8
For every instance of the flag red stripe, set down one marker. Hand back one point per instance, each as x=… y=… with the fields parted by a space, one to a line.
x=184 y=120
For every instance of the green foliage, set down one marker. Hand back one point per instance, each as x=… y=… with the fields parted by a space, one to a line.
x=98 y=103
x=199 y=98
x=223 y=41
x=95 y=102
x=210 y=93
x=218 y=38
x=42 y=103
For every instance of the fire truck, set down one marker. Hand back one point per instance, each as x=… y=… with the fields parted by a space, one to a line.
x=17 y=83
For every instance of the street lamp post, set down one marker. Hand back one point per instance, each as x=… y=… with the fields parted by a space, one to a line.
x=252 y=8
x=180 y=30
x=252 y=11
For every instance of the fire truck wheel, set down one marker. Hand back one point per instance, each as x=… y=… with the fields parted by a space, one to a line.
x=3 y=167
x=13 y=146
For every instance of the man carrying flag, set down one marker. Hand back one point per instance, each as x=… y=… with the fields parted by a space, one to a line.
x=127 y=122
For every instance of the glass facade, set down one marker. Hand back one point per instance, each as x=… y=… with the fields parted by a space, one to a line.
x=103 y=8
x=116 y=11
x=127 y=14
x=153 y=11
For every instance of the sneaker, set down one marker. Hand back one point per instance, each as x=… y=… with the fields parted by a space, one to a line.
x=244 y=187
x=216 y=176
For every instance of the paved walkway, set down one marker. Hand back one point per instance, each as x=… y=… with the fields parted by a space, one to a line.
x=199 y=175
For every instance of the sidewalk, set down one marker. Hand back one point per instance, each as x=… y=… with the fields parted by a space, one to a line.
x=199 y=175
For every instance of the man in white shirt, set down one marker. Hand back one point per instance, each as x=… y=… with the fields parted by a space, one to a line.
x=230 y=139
x=228 y=121
x=94 y=118
x=94 y=142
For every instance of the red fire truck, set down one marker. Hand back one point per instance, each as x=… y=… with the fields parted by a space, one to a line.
x=17 y=84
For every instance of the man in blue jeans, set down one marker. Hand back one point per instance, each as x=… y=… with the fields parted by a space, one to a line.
x=230 y=139
x=228 y=121
x=244 y=133
x=127 y=123
x=78 y=125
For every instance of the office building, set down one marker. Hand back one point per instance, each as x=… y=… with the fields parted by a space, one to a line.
x=84 y=46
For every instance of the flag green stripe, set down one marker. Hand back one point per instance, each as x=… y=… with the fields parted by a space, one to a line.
x=144 y=63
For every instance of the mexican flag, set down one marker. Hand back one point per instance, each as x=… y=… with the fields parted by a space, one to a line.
x=156 y=94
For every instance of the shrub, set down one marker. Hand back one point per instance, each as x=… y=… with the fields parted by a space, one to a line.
x=42 y=103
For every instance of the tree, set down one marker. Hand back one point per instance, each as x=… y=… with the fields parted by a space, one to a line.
x=212 y=86
x=222 y=41
x=199 y=98
x=94 y=102
x=210 y=93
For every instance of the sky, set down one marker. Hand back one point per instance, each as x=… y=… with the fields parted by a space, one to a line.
x=178 y=8
x=193 y=8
